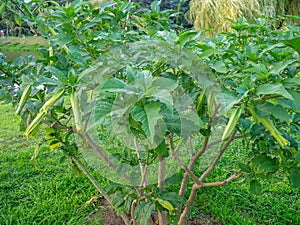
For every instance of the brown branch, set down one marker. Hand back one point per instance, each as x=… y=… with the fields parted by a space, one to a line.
x=98 y=186
x=220 y=141
x=175 y=156
x=214 y=163
x=132 y=208
x=62 y=127
x=222 y=183
x=142 y=166
x=101 y=154
x=190 y=167
x=161 y=171
x=189 y=203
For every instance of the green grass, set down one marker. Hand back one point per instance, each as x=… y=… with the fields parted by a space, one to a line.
x=18 y=43
x=53 y=195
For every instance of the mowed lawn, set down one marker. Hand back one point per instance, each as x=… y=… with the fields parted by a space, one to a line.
x=54 y=195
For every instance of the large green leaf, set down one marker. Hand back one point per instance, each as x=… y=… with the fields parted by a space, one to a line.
x=151 y=119
x=274 y=89
x=294 y=43
x=219 y=67
x=161 y=89
x=143 y=212
x=2 y=7
x=296 y=101
x=278 y=67
x=295 y=176
x=265 y=109
x=228 y=99
x=117 y=85
x=264 y=163
x=60 y=75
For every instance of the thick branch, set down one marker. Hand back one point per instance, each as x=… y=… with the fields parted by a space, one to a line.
x=175 y=156
x=214 y=163
x=99 y=152
x=187 y=210
x=161 y=171
x=142 y=166
x=191 y=165
x=222 y=183
x=99 y=188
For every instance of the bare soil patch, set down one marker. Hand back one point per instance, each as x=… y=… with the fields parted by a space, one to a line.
x=108 y=216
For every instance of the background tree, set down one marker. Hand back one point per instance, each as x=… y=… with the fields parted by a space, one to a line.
x=210 y=14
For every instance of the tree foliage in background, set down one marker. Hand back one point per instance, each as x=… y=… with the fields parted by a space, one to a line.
x=210 y=14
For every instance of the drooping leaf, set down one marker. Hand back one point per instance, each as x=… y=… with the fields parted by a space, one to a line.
x=274 y=89
x=278 y=67
x=57 y=73
x=117 y=85
x=255 y=187
x=265 y=109
x=143 y=212
x=219 y=67
x=295 y=176
x=152 y=125
x=264 y=163
x=294 y=43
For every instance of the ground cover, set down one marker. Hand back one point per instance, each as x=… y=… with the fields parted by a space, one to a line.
x=26 y=43
x=52 y=195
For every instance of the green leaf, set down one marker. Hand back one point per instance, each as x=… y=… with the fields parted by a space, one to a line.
x=245 y=167
x=296 y=100
x=265 y=109
x=257 y=68
x=2 y=7
x=18 y=20
x=295 y=176
x=149 y=116
x=228 y=99
x=165 y=204
x=117 y=199
x=117 y=85
x=274 y=89
x=255 y=187
x=60 y=75
x=294 y=43
x=162 y=149
x=69 y=11
x=220 y=67
x=278 y=67
x=269 y=48
x=161 y=89
x=173 y=198
x=188 y=36
x=264 y=163
x=143 y=212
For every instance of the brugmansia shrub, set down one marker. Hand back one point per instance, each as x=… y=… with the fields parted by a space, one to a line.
x=119 y=90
